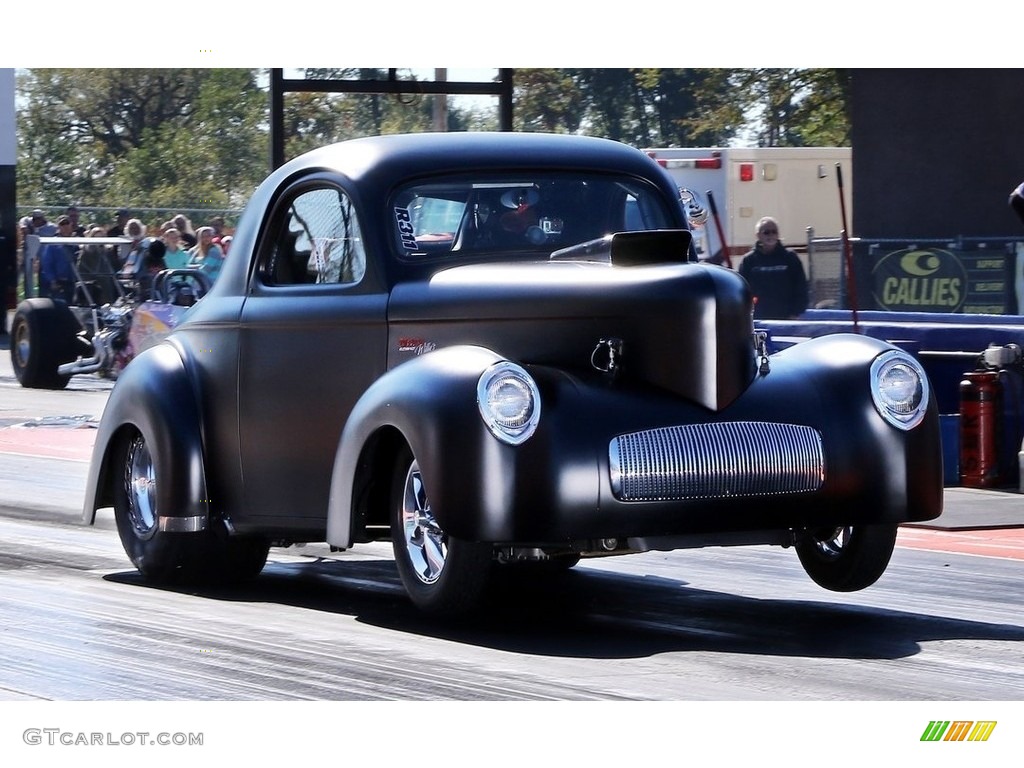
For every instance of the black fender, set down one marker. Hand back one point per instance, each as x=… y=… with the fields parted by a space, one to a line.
x=430 y=402
x=155 y=396
x=824 y=382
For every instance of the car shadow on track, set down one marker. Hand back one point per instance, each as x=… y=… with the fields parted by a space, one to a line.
x=589 y=613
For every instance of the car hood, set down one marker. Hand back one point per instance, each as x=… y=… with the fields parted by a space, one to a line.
x=686 y=328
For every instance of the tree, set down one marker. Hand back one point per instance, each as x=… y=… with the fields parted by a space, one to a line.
x=796 y=107
x=199 y=138
x=687 y=107
x=313 y=119
x=213 y=157
x=111 y=135
x=643 y=107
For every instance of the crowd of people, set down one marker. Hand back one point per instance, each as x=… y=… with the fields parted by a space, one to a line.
x=775 y=274
x=174 y=244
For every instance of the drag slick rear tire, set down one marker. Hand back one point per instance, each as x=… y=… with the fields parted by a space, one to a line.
x=442 y=575
x=847 y=558
x=43 y=336
x=206 y=557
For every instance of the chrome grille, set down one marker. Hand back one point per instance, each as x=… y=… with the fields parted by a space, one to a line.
x=711 y=461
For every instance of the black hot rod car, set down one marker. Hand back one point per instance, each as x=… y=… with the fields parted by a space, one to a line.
x=495 y=349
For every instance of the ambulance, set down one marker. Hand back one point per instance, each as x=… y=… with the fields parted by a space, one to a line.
x=800 y=187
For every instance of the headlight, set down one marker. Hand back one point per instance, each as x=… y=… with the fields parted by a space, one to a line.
x=899 y=388
x=509 y=402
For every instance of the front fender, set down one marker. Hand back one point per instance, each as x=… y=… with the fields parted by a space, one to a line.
x=153 y=396
x=431 y=402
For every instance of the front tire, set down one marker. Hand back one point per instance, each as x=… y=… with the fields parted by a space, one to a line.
x=847 y=558
x=442 y=575
x=43 y=336
x=210 y=556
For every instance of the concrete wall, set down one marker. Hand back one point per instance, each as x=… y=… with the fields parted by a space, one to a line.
x=936 y=152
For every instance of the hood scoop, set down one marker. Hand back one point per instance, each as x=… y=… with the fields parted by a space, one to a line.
x=632 y=249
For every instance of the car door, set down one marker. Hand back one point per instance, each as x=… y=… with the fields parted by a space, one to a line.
x=313 y=338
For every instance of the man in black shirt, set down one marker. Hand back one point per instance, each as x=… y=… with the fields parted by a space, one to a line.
x=775 y=275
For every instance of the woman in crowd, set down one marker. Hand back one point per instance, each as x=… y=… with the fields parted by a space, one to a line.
x=176 y=256
x=207 y=255
x=131 y=264
x=184 y=226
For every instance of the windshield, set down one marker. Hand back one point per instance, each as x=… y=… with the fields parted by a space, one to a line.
x=539 y=213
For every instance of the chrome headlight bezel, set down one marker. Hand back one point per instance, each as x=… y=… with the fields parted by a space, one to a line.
x=899 y=389
x=509 y=385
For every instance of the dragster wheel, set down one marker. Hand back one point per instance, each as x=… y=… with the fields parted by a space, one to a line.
x=43 y=336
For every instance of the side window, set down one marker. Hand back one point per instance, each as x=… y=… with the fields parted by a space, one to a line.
x=318 y=241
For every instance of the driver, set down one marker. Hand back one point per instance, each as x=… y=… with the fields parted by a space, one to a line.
x=523 y=214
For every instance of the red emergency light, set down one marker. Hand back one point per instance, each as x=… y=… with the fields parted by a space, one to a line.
x=707 y=163
x=746 y=171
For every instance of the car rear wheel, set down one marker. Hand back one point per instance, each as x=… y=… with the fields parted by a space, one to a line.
x=441 y=574
x=847 y=558
x=208 y=556
x=43 y=336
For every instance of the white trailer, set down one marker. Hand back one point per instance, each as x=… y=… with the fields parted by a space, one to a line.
x=797 y=186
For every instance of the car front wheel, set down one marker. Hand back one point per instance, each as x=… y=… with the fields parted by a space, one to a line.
x=847 y=558
x=208 y=556
x=441 y=574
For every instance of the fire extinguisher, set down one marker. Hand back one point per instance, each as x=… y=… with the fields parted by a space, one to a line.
x=981 y=408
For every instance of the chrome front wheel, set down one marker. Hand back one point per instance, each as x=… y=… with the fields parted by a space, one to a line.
x=442 y=575
x=426 y=545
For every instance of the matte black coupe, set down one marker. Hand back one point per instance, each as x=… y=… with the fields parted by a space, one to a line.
x=497 y=349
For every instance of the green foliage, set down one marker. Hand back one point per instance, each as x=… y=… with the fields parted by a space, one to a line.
x=199 y=138
x=175 y=137
x=687 y=107
x=796 y=107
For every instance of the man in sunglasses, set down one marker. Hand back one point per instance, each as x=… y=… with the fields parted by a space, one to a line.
x=775 y=274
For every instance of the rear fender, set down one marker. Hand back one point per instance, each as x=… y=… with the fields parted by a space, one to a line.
x=154 y=396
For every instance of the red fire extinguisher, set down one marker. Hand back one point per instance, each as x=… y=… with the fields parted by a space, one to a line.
x=981 y=407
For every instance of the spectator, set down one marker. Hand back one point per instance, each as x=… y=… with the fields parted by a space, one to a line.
x=217 y=223
x=775 y=274
x=40 y=226
x=176 y=257
x=97 y=269
x=117 y=230
x=225 y=244
x=207 y=255
x=184 y=226
x=56 y=274
x=1017 y=201
x=152 y=264
x=77 y=230
x=131 y=264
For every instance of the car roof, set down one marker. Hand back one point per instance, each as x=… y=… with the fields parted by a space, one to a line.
x=388 y=159
x=375 y=165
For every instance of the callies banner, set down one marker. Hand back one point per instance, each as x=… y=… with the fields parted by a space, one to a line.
x=978 y=278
